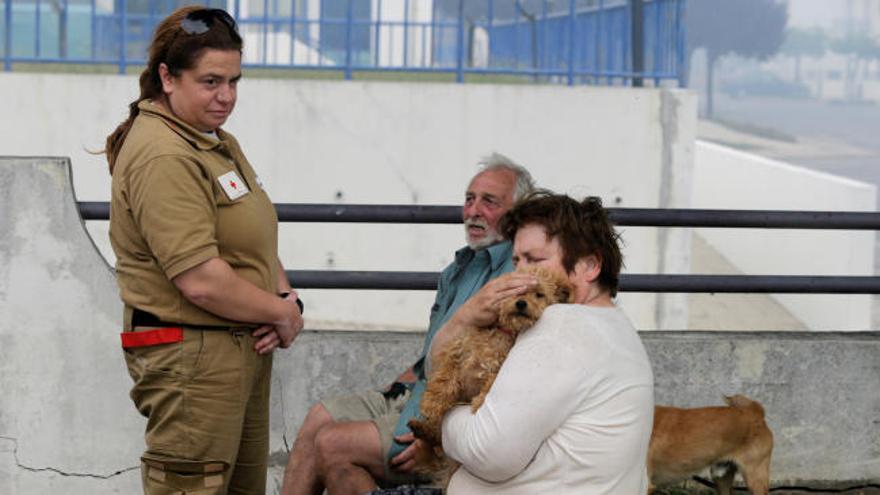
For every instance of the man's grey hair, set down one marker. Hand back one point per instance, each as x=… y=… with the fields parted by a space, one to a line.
x=524 y=182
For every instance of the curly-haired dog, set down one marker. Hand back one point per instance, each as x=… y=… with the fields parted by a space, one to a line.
x=465 y=371
x=727 y=439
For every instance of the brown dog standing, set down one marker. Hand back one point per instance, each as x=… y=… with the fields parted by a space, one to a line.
x=686 y=441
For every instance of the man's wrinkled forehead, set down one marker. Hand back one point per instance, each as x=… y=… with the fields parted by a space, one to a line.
x=499 y=184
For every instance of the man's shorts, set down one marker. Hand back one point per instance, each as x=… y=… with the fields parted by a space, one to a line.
x=373 y=406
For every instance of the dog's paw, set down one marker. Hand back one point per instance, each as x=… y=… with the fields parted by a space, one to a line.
x=419 y=428
x=422 y=430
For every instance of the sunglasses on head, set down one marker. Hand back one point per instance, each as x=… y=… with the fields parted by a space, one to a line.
x=200 y=21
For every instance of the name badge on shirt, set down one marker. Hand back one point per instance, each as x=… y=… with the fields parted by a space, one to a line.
x=232 y=185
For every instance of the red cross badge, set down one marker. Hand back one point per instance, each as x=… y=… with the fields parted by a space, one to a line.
x=232 y=185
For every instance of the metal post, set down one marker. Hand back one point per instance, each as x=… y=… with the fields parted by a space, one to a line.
x=611 y=36
x=63 y=36
x=637 y=35
x=38 y=29
x=405 y=31
x=435 y=34
x=659 y=43
x=123 y=33
x=600 y=39
x=348 y=19
x=7 y=31
x=94 y=29
x=316 y=34
x=543 y=63
x=377 y=60
x=292 y=32
x=681 y=35
x=517 y=12
x=459 y=56
x=423 y=57
x=440 y=36
x=489 y=23
x=265 y=40
x=424 y=44
x=571 y=41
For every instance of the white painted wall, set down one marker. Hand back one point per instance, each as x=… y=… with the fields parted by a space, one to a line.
x=397 y=143
x=725 y=178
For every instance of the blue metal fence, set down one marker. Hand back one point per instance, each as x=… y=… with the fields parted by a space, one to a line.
x=569 y=41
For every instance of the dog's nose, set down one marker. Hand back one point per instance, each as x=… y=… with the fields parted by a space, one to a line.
x=521 y=305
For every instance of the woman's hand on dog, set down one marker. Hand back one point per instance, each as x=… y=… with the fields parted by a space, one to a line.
x=481 y=310
x=418 y=453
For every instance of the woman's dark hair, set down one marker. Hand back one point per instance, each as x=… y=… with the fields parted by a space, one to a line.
x=176 y=44
x=582 y=229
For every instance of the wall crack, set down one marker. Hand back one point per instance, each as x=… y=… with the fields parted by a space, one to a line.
x=283 y=414
x=50 y=469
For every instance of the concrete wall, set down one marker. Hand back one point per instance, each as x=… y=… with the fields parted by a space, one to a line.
x=67 y=426
x=361 y=142
x=725 y=178
x=63 y=407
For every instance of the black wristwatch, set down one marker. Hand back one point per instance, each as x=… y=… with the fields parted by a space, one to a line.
x=302 y=308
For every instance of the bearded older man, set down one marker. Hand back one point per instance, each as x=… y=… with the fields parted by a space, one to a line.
x=351 y=444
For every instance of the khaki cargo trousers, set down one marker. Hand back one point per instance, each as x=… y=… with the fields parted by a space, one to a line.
x=206 y=400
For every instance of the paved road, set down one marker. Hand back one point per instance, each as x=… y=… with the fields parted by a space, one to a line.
x=856 y=125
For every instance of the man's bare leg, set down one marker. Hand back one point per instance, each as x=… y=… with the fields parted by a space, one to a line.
x=301 y=473
x=350 y=457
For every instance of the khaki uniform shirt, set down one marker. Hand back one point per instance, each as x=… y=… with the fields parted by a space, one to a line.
x=177 y=201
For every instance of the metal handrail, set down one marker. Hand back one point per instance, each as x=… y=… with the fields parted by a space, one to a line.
x=776 y=284
x=628 y=217
x=640 y=217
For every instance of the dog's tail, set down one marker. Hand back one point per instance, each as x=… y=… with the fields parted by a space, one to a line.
x=743 y=402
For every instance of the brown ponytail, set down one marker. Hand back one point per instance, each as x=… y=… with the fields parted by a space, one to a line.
x=178 y=51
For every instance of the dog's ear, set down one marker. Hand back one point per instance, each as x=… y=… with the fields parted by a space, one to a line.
x=563 y=293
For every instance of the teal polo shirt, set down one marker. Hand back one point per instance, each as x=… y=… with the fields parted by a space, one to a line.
x=458 y=282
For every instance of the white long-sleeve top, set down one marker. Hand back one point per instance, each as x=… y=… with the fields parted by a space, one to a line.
x=570 y=412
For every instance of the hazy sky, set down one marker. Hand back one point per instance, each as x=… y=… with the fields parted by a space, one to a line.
x=828 y=13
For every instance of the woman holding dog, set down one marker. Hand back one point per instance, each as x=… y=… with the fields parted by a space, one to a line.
x=571 y=410
x=195 y=238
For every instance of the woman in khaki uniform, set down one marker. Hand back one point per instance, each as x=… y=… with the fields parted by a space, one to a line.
x=195 y=238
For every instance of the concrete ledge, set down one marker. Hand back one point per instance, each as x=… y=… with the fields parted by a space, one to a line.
x=820 y=389
x=66 y=424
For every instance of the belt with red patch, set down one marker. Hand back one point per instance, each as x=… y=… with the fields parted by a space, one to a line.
x=156 y=336
x=160 y=332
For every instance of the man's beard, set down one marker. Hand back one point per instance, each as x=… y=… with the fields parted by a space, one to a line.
x=492 y=237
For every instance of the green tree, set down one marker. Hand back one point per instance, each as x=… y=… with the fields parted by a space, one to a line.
x=800 y=43
x=749 y=28
x=860 y=49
